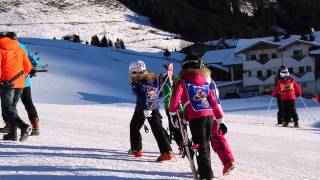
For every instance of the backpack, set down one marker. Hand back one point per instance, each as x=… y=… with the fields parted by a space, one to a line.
x=197 y=96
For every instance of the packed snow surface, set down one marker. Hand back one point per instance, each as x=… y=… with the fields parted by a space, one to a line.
x=85 y=106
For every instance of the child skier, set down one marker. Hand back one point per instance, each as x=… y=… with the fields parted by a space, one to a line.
x=218 y=142
x=289 y=90
x=145 y=87
x=200 y=106
x=173 y=124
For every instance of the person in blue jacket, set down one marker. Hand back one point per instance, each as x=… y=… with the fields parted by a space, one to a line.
x=26 y=95
x=145 y=87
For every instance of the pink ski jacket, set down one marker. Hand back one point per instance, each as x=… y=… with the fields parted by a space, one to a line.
x=196 y=77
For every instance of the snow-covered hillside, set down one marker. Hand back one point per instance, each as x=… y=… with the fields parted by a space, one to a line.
x=48 y=19
x=84 y=103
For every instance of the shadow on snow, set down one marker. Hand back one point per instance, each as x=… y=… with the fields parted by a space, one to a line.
x=103 y=99
x=69 y=152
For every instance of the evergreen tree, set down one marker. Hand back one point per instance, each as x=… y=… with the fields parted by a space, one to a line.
x=95 y=41
x=167 y=53
x=110 y=44
x=76 y=38
x=121 y=43
x=104 y=42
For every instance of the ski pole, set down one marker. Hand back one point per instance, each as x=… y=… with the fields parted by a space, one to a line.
x=270 y=104
x=305 y=105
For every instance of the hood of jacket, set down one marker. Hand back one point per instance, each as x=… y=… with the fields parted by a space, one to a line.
x=195 y=76
x=8 y=44
x=145 y=76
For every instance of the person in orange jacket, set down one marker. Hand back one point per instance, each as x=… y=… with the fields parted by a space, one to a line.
x=15 y=65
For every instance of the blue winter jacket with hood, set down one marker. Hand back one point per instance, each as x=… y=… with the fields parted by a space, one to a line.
x=34 y=61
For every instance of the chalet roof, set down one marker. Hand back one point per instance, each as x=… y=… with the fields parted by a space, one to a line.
x=223 y=57
x=256 y=43
x=315 y=52
x=221 y=67
x=284 y=46
x=230 y=42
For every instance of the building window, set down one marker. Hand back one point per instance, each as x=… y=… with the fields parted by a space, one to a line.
x=274 y=56
x=308 y=69
x=290 y=70
x=259 y=73
x=298 y=54
x=269 y=73
x=301 y=69
x=253 y=57
x=264 y=58
x=249 y=73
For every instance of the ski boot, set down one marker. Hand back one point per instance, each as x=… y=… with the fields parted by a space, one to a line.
x=25 y=133
x=296 y=125
x=35 y=127
x=285 y=124
x=165 y=156
x=136 y=153
x=6 y=128
x=12 y=135
x=227 y=167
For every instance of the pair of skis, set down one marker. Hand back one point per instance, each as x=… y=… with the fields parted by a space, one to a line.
x=190 y=149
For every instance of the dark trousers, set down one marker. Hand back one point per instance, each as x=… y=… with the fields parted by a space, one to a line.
x=174 y=129
x=26 y=99
x=279 y=114
x=158 y=131
x=9 y=100
x=289 y=111
x=201 y=129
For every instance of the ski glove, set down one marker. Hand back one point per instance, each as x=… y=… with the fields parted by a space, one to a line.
x=147 y=113
x=223 y=128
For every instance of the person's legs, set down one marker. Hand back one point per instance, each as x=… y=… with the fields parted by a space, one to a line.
x=294 y=114
x=26 y=99
x=159 y=132
x=136 y=123
x=279 y=114
x=201 y=130
x=220 y=145
x=174 y=131
x=286 y=112
x=10 y=99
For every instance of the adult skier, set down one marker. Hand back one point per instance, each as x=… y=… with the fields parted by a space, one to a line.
x=15 y=65
x=26 y=97
x=145 y=87
x=289 y=90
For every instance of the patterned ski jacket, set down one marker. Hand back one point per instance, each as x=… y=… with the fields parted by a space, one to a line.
x=287 y=88
x=13 y=60
x=145 y=86
x=180 y=92
x=34 y=61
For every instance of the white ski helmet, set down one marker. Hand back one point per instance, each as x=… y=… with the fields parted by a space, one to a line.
x=284 y=72
x=137 y=67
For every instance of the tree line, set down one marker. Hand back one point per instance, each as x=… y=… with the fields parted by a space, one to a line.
x=199 y=20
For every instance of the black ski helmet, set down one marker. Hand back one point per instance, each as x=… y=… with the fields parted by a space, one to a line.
x=8 y=34
x=192 y=61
